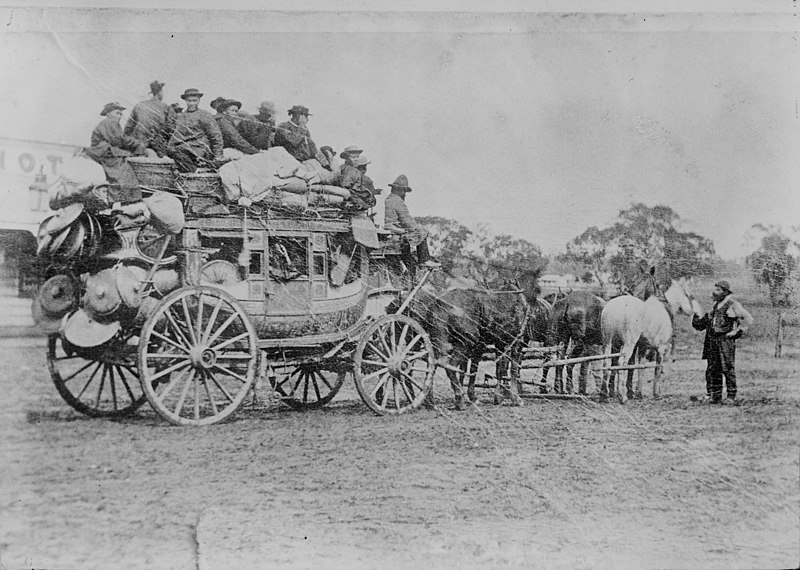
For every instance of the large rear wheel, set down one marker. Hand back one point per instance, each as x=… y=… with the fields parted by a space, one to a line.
x=197 y=356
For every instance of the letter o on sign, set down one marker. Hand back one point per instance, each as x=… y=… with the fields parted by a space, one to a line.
x=26 y=162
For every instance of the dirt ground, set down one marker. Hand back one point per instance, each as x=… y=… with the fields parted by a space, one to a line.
x=555 y=484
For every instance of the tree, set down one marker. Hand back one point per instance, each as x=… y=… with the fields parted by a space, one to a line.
x=642 y=233
x=773 y=263
x=512 y=253
x=448 y=240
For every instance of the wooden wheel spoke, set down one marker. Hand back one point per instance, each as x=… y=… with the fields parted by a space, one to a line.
x=66 y=357
x=81 y=369
x=182 y=399
x=396 y=399
x=211 y=399
x=412 y=380
x=190 y=326
x=197 y=393
x=113 y=383
x=402 y=338
x=411 y=344
x=198 y=335
x=212 y=319
x=169 y=370
x=172 y=383
x=324 y=380
x=377 y=351
x=382 y=337
x=374 y=362
x=222 y=328
x=417 y=355
x=372 y=375
x=166 y=356
x=170 y=341
x=230 y=341
x=89 y=381
x=125 y=383
x=230 y=372
x=380 y=385
x=234 y=357
x=307 y=377
x=175 y=328
x=100 y=390
x=219 y=386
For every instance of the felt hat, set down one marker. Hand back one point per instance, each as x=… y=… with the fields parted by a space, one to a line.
x=352 y=149
x=64 y=218
x=267 y=106
x=191 y=92
x=216 y=103
x=113 y=106
x=226 y=104
x=156 y=86
x=362 y=160
x=723 y=285
x=299 y=110
x=401 y=183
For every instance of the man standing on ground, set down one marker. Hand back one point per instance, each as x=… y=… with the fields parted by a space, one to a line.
x=727 y=321
x=197 y=140
x=294 y=135
x=152 y=121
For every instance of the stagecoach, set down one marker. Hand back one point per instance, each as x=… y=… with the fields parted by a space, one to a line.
x=190 y=322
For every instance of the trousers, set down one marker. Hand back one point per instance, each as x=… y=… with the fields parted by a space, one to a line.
x=721 y=360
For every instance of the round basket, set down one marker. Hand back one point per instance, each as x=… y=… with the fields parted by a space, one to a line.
x=156 y=173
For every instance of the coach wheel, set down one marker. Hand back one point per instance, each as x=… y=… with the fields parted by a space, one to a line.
x=305 y=386
x=99 y=382
x=197 y=355
x=394 y=365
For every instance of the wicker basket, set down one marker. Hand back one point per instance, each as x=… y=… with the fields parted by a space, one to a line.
x=154 y=173
x=204 y=191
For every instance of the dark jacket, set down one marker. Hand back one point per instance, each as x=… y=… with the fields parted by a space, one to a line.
x=725 y=316
x=110 y=147
x=231 y=138
x=258 y=133
x=197 y=133
x=296 y=140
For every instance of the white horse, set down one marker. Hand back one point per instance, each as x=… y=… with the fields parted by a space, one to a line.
x=656 y=342
x=621 y=323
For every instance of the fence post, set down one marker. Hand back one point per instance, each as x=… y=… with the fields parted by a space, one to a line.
x=779 y=336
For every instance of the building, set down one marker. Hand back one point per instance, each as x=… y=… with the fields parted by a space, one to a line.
x=26 y=168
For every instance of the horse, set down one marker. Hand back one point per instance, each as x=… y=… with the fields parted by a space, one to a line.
x=462 y=322
x=575 y=320
x=657 y=338
x=539 y=330
x=621 y=323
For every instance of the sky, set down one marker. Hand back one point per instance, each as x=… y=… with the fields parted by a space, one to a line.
x=532 y=123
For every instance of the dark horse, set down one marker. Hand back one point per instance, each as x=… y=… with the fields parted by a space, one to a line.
x=463 y=322
x=576 y=321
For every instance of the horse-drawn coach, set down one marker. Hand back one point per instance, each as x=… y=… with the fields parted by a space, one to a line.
x=189 y=321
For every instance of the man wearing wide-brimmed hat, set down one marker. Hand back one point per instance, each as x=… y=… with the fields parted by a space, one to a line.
x=152 y=120
x=110 y=147
x=350 y=154
x=197 y=140
x=397 y=219
x=727 y=321
x=354 y=178
x=259 y=130
x=228 y=118
x=294 y=135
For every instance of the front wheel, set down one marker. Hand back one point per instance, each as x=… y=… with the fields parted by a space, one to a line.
x=305 y=386
x=197 y=356
x=394 y=365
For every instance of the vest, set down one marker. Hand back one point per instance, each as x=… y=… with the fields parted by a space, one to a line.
x=721 y=323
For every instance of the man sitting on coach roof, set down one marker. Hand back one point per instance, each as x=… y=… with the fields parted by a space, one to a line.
x=110 y=148
x=227 y=118
x=152 y=120
x=294 y=136
x=259 y=130
x=197 y=140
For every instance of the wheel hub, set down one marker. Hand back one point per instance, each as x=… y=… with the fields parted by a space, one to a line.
x=398 y=365
x=202 y=357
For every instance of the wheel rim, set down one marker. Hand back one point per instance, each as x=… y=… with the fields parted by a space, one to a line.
x=99 y=382
x=197 y=353
x=394 y=365
x=305 y=386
